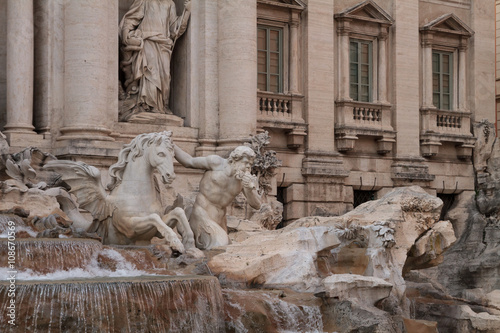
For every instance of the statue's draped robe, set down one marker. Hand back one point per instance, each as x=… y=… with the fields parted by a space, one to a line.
x=148 y=67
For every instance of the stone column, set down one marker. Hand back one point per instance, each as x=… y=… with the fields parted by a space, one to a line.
x=204 y=26
x=86 y=70
x=237 y=82
x=427 y=71
x=405 y=65
x=462 y=80
x=382 y=66
x=294 y=57
x=344 y=30
x=49 y=63
x=20 y=58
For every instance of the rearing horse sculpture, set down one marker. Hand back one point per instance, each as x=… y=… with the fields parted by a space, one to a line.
x=132 y=211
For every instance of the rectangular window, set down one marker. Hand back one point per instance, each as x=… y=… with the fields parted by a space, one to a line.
x=270 y=59
x=442 y=79
x=360 y=70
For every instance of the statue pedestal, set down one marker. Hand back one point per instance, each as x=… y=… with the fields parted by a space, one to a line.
x=157 y=119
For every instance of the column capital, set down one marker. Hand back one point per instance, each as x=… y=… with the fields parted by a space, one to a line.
x=384 y=32
x=464 y=44
x=382 y=36
x=344 y=26
x=427 y=38
x=295 y=19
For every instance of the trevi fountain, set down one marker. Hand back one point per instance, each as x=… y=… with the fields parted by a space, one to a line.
x=124 y=251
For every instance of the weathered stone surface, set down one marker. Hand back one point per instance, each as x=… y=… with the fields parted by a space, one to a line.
x=420 y=326
x=459 y=212
x=240 y=229
x=4 y=146
x=365 y=289
x=480 y=321
x=383 y=231
x=269 y=215
x=472 y=262
x=348 y=316
x=271 y=311
x=33 y=200
x=428 y=249
x=493 y=298
x=284 y=258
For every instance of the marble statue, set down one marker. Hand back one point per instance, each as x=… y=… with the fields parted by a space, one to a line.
x=148 y=32
x=222 y=181
x=132 y=212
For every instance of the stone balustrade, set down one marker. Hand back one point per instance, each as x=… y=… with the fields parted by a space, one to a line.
x=367 y=114
x=439 y=126
x=353 y=119
x=275 y=106
x=445 y=121
x=372 y=116
x=280 y=111
x=450 y=121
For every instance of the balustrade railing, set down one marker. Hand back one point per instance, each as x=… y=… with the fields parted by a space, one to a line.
x=367 y=114
x=449 y=121
x=275 y=106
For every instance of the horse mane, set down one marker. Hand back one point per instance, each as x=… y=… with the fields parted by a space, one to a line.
x=136 y=149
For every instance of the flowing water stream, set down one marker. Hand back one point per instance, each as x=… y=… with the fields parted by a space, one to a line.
x=142 y=304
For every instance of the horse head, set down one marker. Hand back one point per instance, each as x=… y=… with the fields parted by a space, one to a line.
x=156 y=148
x=161 y=158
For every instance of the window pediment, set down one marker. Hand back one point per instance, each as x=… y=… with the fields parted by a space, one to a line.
x=366 y=11
x=292 y=4
x=448 y=24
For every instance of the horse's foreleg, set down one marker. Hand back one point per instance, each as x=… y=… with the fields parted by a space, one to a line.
x=177 y=218
x=144 y=224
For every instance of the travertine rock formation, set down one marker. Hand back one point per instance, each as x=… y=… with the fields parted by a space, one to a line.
x=465 y=285
x=373 y=240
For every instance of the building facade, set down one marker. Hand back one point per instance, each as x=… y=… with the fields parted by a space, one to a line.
x=357 y=96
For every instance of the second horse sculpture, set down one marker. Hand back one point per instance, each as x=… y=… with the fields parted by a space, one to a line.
x=132 y=212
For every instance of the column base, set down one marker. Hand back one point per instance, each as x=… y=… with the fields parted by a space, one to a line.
x=20 y=140
x=225 y=146
x=207 y=147
x=85 y=133
x=21 y=128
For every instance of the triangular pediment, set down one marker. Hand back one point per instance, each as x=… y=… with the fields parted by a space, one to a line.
x=297 y=4
x=448 y=23
x=368 y=11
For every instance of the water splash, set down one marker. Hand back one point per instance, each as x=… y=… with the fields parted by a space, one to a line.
x=58 y=259
x=146 y=304
x=22 y=229
x=282 y=316
x=50 y=255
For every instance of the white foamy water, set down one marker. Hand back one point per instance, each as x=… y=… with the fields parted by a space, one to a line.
x=19 y=228
x=90 y=270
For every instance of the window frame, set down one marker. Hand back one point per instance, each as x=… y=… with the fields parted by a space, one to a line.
x=281 y=56
x=359 y=84
x=441 y=73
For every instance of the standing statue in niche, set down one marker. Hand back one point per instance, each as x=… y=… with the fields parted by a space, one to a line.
x=223 y=180
x=148 y=32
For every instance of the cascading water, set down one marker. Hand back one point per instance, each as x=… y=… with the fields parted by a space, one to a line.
x=50 y=255
x=145 y=304
x=79 y=285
